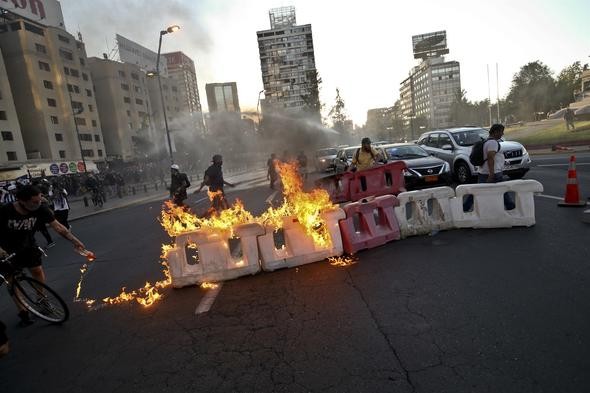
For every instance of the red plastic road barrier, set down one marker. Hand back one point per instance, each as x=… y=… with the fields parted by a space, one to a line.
x=377 y=181
x=377 y=224
x=338 y=186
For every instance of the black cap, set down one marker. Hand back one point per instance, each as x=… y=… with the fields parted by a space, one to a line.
x=365 y=141
x=217 y=157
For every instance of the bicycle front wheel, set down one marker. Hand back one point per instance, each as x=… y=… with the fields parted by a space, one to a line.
x=40 y=300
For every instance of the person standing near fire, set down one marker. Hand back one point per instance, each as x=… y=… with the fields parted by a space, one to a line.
x=178 y=185
x=272 y=170
x=213 y=178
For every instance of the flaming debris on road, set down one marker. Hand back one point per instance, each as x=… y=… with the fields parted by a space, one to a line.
x=306 y=207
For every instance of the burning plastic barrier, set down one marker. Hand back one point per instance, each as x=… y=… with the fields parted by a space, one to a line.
x=377 y=224
x=203 y=256
x=308 y=219
x=299 y=248
x=489 y=210
x=425 y=211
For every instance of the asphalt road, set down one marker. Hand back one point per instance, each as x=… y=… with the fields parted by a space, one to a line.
x=501 y=310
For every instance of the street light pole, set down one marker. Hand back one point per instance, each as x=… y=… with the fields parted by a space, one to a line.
x=170 y=29
x=77 y=130
x=258 y=106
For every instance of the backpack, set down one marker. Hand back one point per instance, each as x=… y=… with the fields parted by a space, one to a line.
x=476 y=157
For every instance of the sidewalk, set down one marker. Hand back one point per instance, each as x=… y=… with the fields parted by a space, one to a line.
x=245 y=179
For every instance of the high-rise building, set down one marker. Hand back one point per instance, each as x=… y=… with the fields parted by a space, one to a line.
x=287 y=62
x=222 y=97
x=177 y=97
x=12 y=148
x=178 y=121
x=181 y=69
x=431 y=87
x=123 y=103
x=52 y=91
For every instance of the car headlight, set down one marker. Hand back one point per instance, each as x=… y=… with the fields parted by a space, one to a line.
x=524 y=152
x=323 y=160
x=407 y=172
x=446 y=167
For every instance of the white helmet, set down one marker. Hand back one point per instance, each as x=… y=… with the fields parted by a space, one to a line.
x=174 y=166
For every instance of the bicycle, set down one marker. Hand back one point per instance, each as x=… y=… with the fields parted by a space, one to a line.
x=33 y=295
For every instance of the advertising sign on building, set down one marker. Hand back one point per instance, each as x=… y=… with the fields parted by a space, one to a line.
x=45 y=12
x=133 y=53
x=430 y=44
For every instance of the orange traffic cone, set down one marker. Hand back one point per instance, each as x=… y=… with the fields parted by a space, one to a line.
x=572 y=191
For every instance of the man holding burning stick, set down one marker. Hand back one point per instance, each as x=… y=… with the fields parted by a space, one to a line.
x=214 y=179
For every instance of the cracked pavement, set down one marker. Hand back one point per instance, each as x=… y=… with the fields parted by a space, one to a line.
x=462 y=311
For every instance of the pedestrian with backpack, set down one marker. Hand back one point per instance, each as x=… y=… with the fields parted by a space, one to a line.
x=488 y=159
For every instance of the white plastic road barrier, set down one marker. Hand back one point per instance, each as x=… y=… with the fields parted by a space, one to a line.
x=424 y=211
x=206 y=256
x=299 y=248
x=488 y=204
x=586 y=216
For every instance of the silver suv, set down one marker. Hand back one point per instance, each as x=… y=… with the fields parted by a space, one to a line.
x=454 y=146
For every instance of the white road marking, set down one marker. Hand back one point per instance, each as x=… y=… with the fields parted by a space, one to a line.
x=201 y=200
x=208 y=299
x=577 y=164
x=550 y=197
x=271 y=197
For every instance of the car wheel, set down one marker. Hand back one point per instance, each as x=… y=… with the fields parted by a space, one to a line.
x=462 y=173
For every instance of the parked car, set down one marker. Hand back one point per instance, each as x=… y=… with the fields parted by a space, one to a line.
x=454 y=146
x=423 y=170
x=344 y=156
x=324 y=159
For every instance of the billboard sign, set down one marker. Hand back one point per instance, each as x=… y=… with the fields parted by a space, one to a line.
x=45 y=12
x=430 y=44
x=133 y=53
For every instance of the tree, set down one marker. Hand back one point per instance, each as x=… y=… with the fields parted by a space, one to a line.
x=532 y=91
x=568 y=82
x=337 y=113
x=313 y=106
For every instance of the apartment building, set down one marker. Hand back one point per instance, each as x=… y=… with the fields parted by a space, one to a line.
x=287 y=63
x=52 y=91
x=124 y=108
x=12 y=148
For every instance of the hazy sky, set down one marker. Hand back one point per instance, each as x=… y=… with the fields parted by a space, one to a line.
x=362 y=48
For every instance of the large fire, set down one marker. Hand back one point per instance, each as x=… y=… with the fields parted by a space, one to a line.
x=305 y=206
x=176 y=220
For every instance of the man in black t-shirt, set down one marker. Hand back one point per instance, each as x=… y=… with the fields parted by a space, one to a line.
x=214 y=179
x=18 y=222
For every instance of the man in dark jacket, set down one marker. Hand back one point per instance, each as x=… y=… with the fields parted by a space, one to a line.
x=178 y=185
x=214 y=179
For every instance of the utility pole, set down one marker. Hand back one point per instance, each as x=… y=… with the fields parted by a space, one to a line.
x=498 y=94
x=489 y=96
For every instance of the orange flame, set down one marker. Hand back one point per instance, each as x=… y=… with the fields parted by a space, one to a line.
x=305 y=206
x=342 y=261
x=146 y=296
